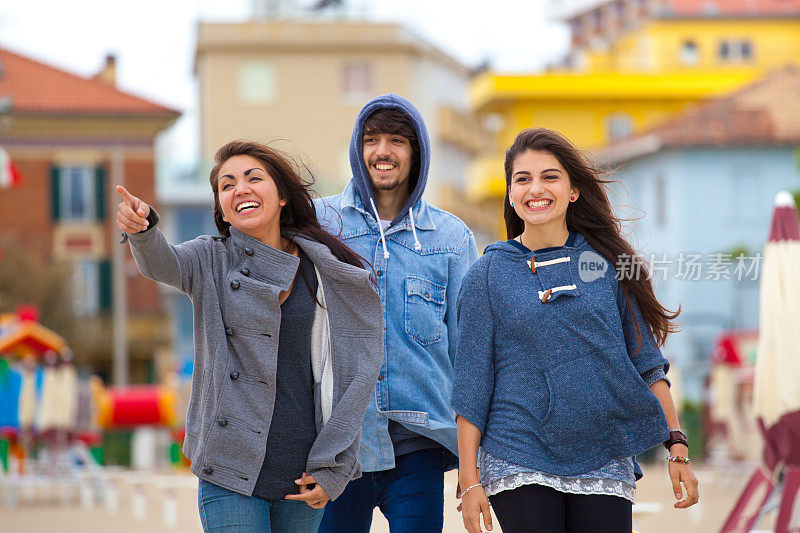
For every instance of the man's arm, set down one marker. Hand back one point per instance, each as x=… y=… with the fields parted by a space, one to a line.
x=469 y=253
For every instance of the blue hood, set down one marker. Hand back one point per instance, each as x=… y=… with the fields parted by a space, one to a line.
x=361 y=179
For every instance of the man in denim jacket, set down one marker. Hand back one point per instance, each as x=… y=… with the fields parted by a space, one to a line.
x=420 y=255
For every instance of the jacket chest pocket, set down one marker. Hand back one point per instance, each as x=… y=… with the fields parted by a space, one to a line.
x=424 y=312
x=555 y=278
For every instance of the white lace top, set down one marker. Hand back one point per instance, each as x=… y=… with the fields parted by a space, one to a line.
x=615 y=478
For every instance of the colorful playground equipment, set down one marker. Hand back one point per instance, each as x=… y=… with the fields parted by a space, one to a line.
x=53 y=425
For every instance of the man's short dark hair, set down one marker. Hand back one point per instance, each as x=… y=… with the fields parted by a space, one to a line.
x=394 y=122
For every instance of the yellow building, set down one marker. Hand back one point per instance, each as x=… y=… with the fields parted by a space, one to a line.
x=633 y=64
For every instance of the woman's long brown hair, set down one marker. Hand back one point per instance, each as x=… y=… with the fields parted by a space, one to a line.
x=298 y=216
x=591 y=216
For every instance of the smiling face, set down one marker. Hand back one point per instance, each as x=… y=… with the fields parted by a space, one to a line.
x=249 y=198
x=540 y=189
x=388 y=160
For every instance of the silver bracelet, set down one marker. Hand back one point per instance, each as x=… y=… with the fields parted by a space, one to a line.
x=464 y=493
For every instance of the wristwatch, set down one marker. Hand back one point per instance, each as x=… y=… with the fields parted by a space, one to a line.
x=676 y=436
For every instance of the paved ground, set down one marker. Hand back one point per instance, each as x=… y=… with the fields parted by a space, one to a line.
x=167 y=503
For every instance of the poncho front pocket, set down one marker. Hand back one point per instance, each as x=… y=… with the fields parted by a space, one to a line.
x=587 y=395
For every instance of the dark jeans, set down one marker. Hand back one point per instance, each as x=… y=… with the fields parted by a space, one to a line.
x=545 y=510
x=225 y=511
x=411 y=497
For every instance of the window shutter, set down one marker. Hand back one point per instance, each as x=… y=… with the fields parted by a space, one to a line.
x=105 y=285
x=55 y=193
x=100 y=192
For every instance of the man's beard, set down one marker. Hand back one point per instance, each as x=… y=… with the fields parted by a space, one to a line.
x=386 y=185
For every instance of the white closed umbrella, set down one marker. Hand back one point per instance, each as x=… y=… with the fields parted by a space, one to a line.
x=67 y=405
x=777 y=372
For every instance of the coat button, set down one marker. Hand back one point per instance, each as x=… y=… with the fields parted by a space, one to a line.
x=379 y=273
x=208 y=470
x=380 y=378
x=249 y=251
x=222 y=422
x=427 y=296
x=228 y=331
x=235 y=284
x=234 y=376
x=245 y=271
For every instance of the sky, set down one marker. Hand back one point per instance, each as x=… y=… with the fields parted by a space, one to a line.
x=154 y=41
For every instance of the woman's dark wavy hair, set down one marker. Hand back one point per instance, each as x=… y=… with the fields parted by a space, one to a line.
x=298 y=216
x=591 y=216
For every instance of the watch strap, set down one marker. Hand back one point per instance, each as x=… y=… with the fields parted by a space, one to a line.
x=676 y=436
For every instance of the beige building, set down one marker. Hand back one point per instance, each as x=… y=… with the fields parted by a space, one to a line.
x=303 y=81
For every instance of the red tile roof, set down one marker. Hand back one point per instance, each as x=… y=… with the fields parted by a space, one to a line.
x=764 y=113
x=737 y=8
x=706 y=8
x=34 y=87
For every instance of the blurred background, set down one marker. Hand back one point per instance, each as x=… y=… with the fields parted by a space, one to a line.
x=691 y=106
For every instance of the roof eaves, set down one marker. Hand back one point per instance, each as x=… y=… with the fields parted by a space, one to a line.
x=630 y=149
x=56 y=112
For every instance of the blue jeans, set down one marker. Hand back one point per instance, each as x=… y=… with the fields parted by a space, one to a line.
x=225 y=511
x=411 y=497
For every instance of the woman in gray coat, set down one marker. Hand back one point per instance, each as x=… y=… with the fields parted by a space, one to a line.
x=288 y=334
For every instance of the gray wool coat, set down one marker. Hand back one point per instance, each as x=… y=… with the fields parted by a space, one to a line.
x=234 y=285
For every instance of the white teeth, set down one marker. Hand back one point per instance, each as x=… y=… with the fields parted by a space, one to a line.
x=246 y=205
x=538 y=203
x=384 y=166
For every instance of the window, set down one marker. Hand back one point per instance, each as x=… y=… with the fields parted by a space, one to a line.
x=76 y=193
x=619 y=126
x=357 y=82
x=724 y=50
x=735 y=51
x=746 y=50
x=690 y=55
x=86 y=286
x=256 y=82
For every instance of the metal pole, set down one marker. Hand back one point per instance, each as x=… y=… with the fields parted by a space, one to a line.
x=120 y=297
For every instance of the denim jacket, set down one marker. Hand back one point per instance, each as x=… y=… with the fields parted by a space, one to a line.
x=418 y=274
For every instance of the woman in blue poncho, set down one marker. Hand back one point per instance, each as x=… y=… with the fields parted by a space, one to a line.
x=559 y=379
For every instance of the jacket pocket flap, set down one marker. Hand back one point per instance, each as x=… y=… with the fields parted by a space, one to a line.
x=425 y=289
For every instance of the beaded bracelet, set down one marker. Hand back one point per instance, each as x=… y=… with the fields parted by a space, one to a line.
x=464 y=493
x=679 y=459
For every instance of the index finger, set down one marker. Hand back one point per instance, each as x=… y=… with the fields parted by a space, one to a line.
x=304 y=496
x=692 y=493
x=487 y=515
x=123 y=192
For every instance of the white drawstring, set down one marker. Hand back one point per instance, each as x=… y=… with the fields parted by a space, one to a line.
x=380 y=228
x=417 y=245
